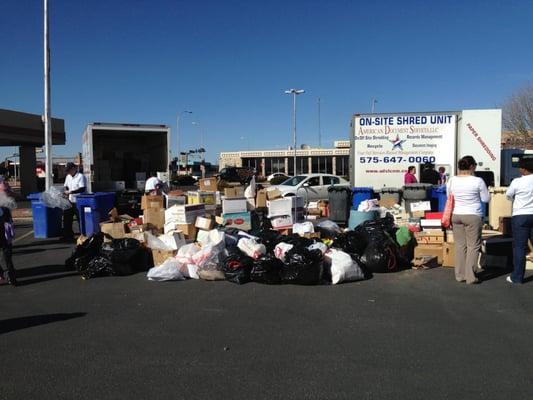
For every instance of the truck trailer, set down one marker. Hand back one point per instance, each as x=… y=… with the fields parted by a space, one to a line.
x=117 y=156
x=384 y=145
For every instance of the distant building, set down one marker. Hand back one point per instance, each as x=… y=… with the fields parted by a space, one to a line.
x=308 y=160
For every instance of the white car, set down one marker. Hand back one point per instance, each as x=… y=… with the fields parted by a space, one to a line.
x=312 y=187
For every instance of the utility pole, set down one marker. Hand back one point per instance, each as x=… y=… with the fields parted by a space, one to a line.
x=47 y=114
x=319 y=127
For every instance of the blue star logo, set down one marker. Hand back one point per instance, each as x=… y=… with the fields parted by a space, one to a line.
x=397 y=143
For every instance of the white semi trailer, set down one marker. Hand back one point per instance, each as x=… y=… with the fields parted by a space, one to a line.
x=383 y=146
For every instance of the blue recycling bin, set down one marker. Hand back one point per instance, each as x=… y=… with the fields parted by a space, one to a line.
x=47 y=222
x=360 y=194
x=438 y=198
x=93 y=208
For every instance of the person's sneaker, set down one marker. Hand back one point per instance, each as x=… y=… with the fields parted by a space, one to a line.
x=474 y=282
x=508 y=279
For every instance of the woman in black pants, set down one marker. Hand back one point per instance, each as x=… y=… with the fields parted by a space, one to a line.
x=6 y=244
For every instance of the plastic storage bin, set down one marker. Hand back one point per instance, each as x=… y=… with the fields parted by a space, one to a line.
x=47 y=222
x=390 y=193
x=438 y=198
x=358 y=217
x=359 y=194
x=340 y=200
x=94 y=208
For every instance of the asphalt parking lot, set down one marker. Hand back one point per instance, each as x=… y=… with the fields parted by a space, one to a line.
x=407 y=335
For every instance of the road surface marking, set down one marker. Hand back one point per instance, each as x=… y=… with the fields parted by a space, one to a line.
x=23 y=236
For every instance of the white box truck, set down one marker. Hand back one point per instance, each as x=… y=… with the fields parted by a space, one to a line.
x=115 y=155
x=383 y=146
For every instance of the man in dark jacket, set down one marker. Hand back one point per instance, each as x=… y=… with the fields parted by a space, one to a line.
x=429 y=175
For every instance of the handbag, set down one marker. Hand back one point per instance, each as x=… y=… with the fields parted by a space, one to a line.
x=446 y=219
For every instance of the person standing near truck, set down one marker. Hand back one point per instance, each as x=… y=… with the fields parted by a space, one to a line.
x=409 y=176
x=521 y=192
x=75 y=183
x=468 y=192
x=153 y=185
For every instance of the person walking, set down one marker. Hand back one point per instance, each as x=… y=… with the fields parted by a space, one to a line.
x=410 y=176
x=468 y=192
x=75 y=183
x=7 y=234
x=521 y=192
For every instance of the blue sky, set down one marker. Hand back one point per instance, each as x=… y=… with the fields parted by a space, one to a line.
x=141 y=61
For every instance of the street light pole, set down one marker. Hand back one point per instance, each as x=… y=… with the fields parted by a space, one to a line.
x=374 y=101
x=47 y=113
x=178 y=135
x=294 y=93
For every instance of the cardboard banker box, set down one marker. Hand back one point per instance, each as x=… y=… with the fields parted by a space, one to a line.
x=152 y=202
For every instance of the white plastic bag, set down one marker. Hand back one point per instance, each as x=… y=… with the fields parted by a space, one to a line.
x=303 y=228
x=329 y=226
x=155 y=243
x=343 y=267
x=7 y=201
x=189 y=271
x=281 y=249
x=185 y=253
x=53 y=198
x=209 y=257
x=251 y=248
x=369 y=205
x=249 y=193
x=168 y=271
x=319 y=246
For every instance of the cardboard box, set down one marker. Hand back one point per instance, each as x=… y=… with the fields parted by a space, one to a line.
x=449 y=236
x=448 y=255
x=421 y=206
x=505 y=226
x=234 y=205
x=314 y=235
x=199 y=197
x=261 y=198
x=242 y=221
x=273 y=194
x=234 y=192
x=154 y=217
x=429 y=237
x=140 y=185
x=173 y=200
x=279 y=207
x=282 y=222
x=185 y=214
x=204 y=223
x=189 y=230
x=160 y=256
x=387 y=202
x=117 y=230
x=430 y=223
x=174 y=240
x=208 y=184
x=429 y=250
x=152 y=202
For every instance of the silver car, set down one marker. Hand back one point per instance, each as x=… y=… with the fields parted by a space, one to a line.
x=312 y=187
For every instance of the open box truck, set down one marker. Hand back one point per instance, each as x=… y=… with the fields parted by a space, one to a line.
x=383 y=146
x=116 y=155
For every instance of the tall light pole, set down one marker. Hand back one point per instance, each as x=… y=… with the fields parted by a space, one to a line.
x=374 y=101
x=294 y=92
x=200 y=129
x=319 y=126
x=46 y=117
x=178 y=135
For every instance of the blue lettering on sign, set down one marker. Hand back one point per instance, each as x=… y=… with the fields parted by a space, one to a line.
x=405 y=120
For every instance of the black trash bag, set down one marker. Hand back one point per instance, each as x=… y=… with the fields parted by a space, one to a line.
x=297 y=241
x=124 y=255
x=302 y=267
x=267 y=270
x=270 y=238
x=97 y=266
x=237 y=266
x=351 y=242
x=265 y=223
x=86 y=251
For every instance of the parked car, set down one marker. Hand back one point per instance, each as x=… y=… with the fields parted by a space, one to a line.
x=312 y=187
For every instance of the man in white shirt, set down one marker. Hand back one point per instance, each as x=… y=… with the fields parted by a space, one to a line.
x=153 y=185
x=75 y=183
x=521 y=192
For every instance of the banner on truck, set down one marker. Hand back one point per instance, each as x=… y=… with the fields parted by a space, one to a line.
x=385 y=145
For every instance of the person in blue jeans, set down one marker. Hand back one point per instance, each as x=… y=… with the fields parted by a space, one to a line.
x=521 y=192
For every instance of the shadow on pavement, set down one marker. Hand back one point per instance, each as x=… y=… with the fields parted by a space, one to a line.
x=31 y=251
x=38 y=242
x=43 y=270
x=493 y=273
x=15 y=324
x=31 y=281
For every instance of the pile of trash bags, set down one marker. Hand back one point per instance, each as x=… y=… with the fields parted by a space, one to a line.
x=96 y=257
x=267 y=257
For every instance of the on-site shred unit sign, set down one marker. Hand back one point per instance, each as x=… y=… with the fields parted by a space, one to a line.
x=385 y=145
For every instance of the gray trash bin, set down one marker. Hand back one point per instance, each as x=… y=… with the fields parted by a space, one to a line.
x=340 y=203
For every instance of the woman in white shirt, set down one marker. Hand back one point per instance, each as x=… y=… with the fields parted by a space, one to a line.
x=467 y=219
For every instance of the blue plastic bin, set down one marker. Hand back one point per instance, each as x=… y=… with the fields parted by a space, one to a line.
x=360 y=194
x=93 y=208
x=438 y=198
x=47 y=222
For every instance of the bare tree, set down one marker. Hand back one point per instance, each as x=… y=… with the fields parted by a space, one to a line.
x=518 y=115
